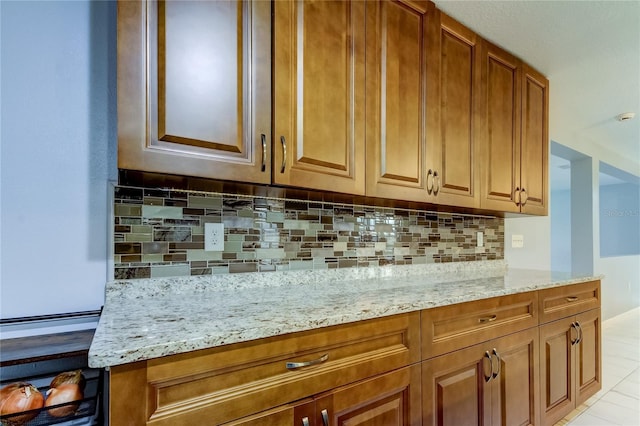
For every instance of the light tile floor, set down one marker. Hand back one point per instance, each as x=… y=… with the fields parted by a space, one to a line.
x=618 y=403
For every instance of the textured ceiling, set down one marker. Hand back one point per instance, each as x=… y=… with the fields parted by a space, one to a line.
x=589 y=50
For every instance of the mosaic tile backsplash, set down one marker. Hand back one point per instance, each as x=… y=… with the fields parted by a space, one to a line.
x=160 y=233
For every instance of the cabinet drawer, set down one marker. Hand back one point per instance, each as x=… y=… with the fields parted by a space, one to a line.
x=225 y=383
x=452 y=327
x=561 y=302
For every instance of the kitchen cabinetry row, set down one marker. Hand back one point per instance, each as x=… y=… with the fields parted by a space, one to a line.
x=527 y=358
x=389 y=99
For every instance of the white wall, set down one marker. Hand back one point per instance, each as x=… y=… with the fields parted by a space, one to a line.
x=58 y=139
x=560 y=213
x=536 y=253
x=619 y=219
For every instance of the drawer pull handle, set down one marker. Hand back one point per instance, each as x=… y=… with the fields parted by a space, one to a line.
x=296 y=365
x=490 y=376
x=325 y=417
x=305 y=421
x=487 y=319
x=430 y=188
x=572 y=298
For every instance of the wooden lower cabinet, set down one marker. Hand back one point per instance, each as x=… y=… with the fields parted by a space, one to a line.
x=219 y=385
x=290 y=414
x=391 y=399
x=508 y=360
x=570 y=363
x=492 y=383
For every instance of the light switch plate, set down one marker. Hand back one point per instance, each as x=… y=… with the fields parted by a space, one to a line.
x=517 y=241
x=479 y=239
x=214 y=236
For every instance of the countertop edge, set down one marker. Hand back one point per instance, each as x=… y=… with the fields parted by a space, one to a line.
x=100 y=356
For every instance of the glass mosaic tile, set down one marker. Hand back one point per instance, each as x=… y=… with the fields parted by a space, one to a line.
x=164 y=228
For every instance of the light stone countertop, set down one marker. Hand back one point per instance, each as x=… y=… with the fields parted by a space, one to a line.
x=150 y=318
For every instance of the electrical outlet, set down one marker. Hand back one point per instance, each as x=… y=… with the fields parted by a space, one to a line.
x=214 y=236
x=517 y=241
x=479 y=239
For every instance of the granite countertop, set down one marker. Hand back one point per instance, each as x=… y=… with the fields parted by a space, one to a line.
x=150 y=318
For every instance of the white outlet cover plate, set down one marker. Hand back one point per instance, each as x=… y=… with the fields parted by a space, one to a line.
x=214 y=236
x=517 y=241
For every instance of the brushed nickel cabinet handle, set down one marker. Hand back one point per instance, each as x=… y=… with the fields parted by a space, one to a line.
x=572 y=298
x=325 y=417
x=488 y=378
x=305 y=421
x=430 y=175
x=296 y=365
x=516 y=196
x=575 y=327
x=283 y=141
x=263 y=138
x=526 y=197
x=484 y=320
x=579 y=328
x=436 y=179
x=497 y=355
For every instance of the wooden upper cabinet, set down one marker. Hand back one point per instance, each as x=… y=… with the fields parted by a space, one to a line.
x=194 y=88
x=319 y=95
x=453 y=123
x=501 y=149
x=422 y=105
x=516 y=134
x=534 y=155
x=397 y=99
x=446 y=118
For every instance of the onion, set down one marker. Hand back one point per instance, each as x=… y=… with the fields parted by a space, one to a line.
x=63 y=394
x=5 y=391
x=69 y=377
x=24 y=397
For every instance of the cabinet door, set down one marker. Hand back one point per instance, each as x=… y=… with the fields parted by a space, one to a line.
x=455 y=390
x=515 y=392
x=557 y=369
x=319 y=89
x=535 y=142
x=194 y=88
x=588 y=361
x=392 y=399
x=299 y=414
x=452 y=126
x=501 y=76
x=397 y=99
